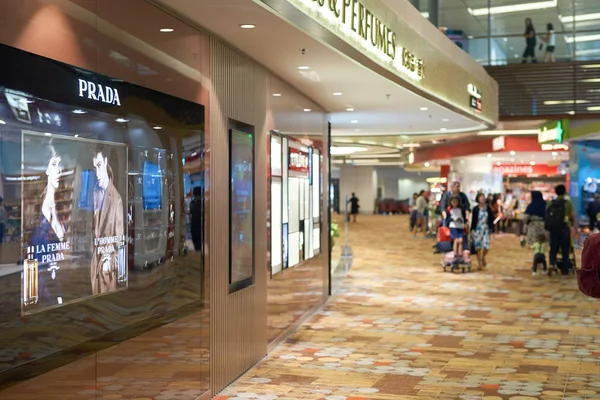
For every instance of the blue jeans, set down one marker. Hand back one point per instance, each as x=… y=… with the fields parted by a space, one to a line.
x=561 y=240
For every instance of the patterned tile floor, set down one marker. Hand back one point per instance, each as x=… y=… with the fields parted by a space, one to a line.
x=400 y=328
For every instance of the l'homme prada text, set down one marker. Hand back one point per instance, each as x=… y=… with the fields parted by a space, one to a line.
x=97 y=92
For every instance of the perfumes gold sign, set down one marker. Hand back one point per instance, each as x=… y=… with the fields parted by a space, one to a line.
x=359 y=26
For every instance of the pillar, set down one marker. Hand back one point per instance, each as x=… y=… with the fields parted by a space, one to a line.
x=476 y=175
x=363 y=182
x=434 y=12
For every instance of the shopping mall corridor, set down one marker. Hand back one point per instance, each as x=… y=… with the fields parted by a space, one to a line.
x=400 y=328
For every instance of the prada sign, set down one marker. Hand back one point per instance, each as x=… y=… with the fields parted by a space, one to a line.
x=356 y=20
x=97 y=92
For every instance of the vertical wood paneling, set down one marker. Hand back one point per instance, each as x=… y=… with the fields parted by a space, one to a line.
x=238 y=321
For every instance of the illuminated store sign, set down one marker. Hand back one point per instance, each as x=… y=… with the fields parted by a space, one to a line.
x=525 y=170
x=97 y=92
x=551 y=134
x=298 y=161
x=475 y=97
x=358 y=25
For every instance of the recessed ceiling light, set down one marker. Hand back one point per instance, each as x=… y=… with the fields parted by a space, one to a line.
x=554 y=153
x=350 y=109
x=79 y=111
x=337 y=94
x=443 y=129
x=247 y=26
x=276 y=94
x=307 y=110
x=498 y=163
x=122 y=120
x=158 y=128
x=538 y=5
x=354 y=121
x=2 y=122
x=489 y=156
x=532 y=163
x=166 y=30
x=303 y=67
x=48 y=134
x=445 y=120
x=512 y=153
x=427 y=164
x=424 y=108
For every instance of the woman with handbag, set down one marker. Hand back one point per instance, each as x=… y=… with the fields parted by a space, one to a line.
x=482 y=224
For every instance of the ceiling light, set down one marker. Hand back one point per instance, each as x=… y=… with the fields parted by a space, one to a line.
x=423 y=108
x=512 y=153
x=590 y=80
x=307 y=110
x=166 y=30
x=582 y=38
x=443 y=129
x=247 y=26
x=410 y=145
x=276 y=94
x=2 y=122
x=337 y=94
x=509 y=132
x=121 y=120
x=427 y=164
x=158 y=128
x=303 y=67
x=48 y=134
x=445 y=120
x=354 y=121
x=570 y=112
x=532 y=163
x=498 y=163
x=594 y=108
x=79 y=111
x=569 y=19
x=350 y=109
x=558 y=102
x=77 y=135
x=489 y=156
x=554 y=153
x=589 y=66
x=425 y=14
x=344 y=151
x=513 y=8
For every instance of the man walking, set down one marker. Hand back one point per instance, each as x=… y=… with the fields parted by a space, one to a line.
x=558 y=221
x=464 y=202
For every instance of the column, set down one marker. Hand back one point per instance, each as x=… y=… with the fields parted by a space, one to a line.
x=363 y=182
x=434 y=12
x=476 y=175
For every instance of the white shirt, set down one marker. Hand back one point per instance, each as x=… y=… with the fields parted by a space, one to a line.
x=456 y=218
x=552 y=40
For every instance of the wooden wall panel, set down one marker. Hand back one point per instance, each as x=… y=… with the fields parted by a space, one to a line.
x=238 y=321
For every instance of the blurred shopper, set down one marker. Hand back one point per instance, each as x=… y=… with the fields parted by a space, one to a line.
x=511 y=204
x=3 y=220
x=539 y=255
x=593 y=211
x=456 y=220
x=558 y=221
x=413 y=211
x=530 y=41
x=354 y=206
x=497 y=211
x=196 y=218
x=464 y=202
x=535 y=214
x=420 y=209
x=482 y=224
x=550 y=40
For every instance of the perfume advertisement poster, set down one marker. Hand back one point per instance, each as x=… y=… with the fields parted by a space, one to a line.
x=74 y=219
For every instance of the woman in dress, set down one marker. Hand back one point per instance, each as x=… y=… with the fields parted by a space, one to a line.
x=534 y=217
x=482 y=224
x=49 y=232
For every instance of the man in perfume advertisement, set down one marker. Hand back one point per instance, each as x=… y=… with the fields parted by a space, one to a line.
x=108 y=226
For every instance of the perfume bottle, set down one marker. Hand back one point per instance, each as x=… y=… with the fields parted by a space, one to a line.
x=30 y=279
x=122 y=261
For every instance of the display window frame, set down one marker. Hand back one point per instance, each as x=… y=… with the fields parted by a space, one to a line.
x=241 y=127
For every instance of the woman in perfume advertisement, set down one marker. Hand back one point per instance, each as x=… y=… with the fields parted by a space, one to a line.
x=49 y=237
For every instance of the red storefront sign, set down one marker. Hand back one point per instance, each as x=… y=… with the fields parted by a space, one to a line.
x=298 y=161
x=525 y=170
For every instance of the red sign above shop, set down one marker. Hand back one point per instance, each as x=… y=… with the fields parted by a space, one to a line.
x=526 y=170
x=299 y=161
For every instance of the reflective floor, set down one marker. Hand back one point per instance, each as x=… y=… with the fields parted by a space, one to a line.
x=400 y=328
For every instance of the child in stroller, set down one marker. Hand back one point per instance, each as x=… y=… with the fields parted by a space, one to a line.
x=459 y=257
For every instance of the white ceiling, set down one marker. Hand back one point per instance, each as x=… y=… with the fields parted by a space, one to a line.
x=507 y=29
x=381 y=107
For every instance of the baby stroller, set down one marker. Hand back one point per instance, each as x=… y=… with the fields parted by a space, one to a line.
x=445 y=246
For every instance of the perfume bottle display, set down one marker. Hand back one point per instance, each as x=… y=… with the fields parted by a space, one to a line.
x=30 y=279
